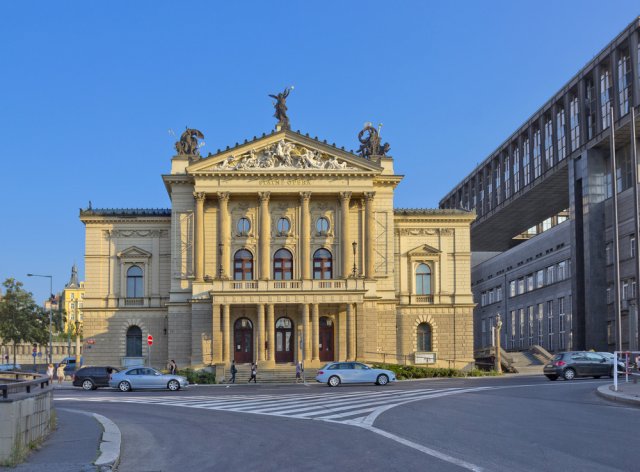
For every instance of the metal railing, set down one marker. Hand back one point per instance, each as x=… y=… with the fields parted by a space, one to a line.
x=12 y=382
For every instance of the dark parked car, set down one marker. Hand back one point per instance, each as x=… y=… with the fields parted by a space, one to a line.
x=570 y=365
x=92 y=377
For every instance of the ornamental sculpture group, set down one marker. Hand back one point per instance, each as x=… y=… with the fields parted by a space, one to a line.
x=276 y=156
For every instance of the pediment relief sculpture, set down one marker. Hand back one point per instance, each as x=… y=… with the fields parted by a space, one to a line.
x=283 y=155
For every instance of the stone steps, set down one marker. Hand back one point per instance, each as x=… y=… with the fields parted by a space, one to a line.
x=279 y=374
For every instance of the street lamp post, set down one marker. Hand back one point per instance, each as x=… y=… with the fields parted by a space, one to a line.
x=498 y=347
x=354 y=271
x=50 y=277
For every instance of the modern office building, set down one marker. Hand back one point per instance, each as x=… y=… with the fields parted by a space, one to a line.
x=578 y=152
x=278 y=250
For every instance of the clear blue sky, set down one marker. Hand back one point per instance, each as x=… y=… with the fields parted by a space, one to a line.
x=89 y=90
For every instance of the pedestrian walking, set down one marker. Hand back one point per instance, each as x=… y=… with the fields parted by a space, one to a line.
x=50 y=372
x=299 y=371
x=173 y=367
x=233 y=371
x=60 y=373
x=254 y=373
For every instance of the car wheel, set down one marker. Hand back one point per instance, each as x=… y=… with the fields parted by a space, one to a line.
x=569 y=374
x=382 y=380
x=87 y=384
x=124 y=386
x=334 y=381
x=552 y=377
x=173 y=385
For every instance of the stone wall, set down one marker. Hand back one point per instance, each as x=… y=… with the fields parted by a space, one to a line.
x=24 y=352
x=25 y=418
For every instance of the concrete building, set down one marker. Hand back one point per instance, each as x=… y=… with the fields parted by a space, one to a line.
x=279 y=250
x=578 y=152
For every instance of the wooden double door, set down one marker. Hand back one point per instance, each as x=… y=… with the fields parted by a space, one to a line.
x=325 y=339
x=243 y=341
x=285 y=341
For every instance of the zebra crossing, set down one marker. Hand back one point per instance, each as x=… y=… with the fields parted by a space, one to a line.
x=359 y=408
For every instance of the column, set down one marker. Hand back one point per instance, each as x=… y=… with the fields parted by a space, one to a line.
x=315 y=324
x=345 y=243
x=260 y=341
x=265 y=235
x=305 y=234
x=271 y=330
x=199 y=235
x=215 y=331
x=351 y=335
x=224 y=233
x=369 y=234
x=226 y=344
x=304 y=309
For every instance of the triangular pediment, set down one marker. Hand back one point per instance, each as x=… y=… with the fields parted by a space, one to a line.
x=134 y=252
x=424 y=250
x=284 y=151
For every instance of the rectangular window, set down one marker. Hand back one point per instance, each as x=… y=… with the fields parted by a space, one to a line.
x=633 y=288
x=513 y=329
x=483 y=298
x=550 y=273
x=484 y=332
x=624 y=177
x=521 y=332
x=516 y=169
x=561 y=331
x=539 y=318
x=530 y=320
x=609 y=294
x=529 y=282
x=608 y=180
x=632 y=246
x=491 y=296
x=496 y=178
x=608 y=251
x=574 y=123
x=521 y=286
x=537 y=162
x=507 y=175
x=526 y=169
x=560 y=135
x=548 y=143
x=539 y=278
x=499 y=294
x=561 y=268
x=625 y=290
x=605 y=98
x=590 y=107
x=624 y=83
x=512 y=288
x=550 y=332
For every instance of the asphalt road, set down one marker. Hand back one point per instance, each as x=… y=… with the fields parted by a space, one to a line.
x=491 y=424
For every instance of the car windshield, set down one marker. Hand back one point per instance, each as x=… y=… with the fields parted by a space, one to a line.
x=557 y=357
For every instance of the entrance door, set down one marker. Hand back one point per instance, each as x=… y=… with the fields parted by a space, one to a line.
x=325 y=341
x=284 y=340
x=243 y=341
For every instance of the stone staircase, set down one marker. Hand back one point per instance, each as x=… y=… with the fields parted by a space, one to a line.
x=525 y=362
x=281 y=373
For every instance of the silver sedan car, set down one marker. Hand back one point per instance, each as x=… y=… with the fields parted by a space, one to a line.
x=145 y=377
x=335 y=373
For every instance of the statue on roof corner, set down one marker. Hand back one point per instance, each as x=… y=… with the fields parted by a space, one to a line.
x=281 y=108
x=188 y=144
x=370 y=145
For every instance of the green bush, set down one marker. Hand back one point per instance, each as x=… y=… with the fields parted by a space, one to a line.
x=198 y=376
x=413 y=372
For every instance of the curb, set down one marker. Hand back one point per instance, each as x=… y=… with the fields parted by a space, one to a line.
x=605 y=392
x=110 y=445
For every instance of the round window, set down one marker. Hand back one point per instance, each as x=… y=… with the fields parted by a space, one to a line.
x=322 y=225
x=243 y=226
x=284 y=225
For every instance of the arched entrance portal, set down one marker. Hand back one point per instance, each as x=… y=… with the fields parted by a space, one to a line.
x=325 y=341
x=243 y=345
x=284 y=340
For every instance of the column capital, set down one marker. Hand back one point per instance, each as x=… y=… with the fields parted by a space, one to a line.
x=305 y=196
x=224 y=196
x=199 y=196
x=345 y=196
x=369 y=196
x=264 y=197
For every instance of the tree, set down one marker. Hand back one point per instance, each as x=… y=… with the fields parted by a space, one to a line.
x=21 y=319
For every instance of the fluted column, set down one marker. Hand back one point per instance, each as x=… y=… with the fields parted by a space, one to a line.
x=199 y=235
x=224 y=232
x=271 y=330
x=315 y=324
x=345 y=197
x=305 y=234
x=369 y=234
x=351 y=332
x=304 y=311
x=260 y=341
x=227 y=351
x=265 y=235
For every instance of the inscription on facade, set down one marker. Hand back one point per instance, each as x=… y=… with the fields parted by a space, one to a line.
x=287 y=182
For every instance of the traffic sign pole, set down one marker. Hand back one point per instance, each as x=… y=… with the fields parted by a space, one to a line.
x=149 y=344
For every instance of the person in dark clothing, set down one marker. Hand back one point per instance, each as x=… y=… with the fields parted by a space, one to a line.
x=254 y=373
x=233 y=371
x=173 y=367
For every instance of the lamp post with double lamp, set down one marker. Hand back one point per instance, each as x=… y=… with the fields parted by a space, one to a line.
x=50 y=277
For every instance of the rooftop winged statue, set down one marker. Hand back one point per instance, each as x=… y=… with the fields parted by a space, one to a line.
x=188 y=144
x=281 y=108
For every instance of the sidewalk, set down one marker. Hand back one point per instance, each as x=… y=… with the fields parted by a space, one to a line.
x=628 y=392
x=72 y=447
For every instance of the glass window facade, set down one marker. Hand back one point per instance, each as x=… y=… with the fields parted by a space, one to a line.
x=624 y=83
x=574 y=123
x=548 y=143
x=526 y=169
x=560 y=134
x=537 y=159
x=605 y=98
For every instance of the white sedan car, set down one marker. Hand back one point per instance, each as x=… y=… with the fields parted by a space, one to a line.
x=145 y=377
x=335 y=373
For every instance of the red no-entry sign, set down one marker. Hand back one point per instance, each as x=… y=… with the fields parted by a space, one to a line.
x=149 y=340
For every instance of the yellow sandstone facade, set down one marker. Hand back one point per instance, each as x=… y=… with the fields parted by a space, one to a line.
x=279 y=250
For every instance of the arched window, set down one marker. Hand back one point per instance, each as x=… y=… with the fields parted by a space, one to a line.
x=243 y=227
x=243 y=265
x=423 y=280
x=284 y=225
x=322 y=225
x=282 y=265
x=424 y=338
x=134 y=282
x=322 y=264
x=134 y=341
